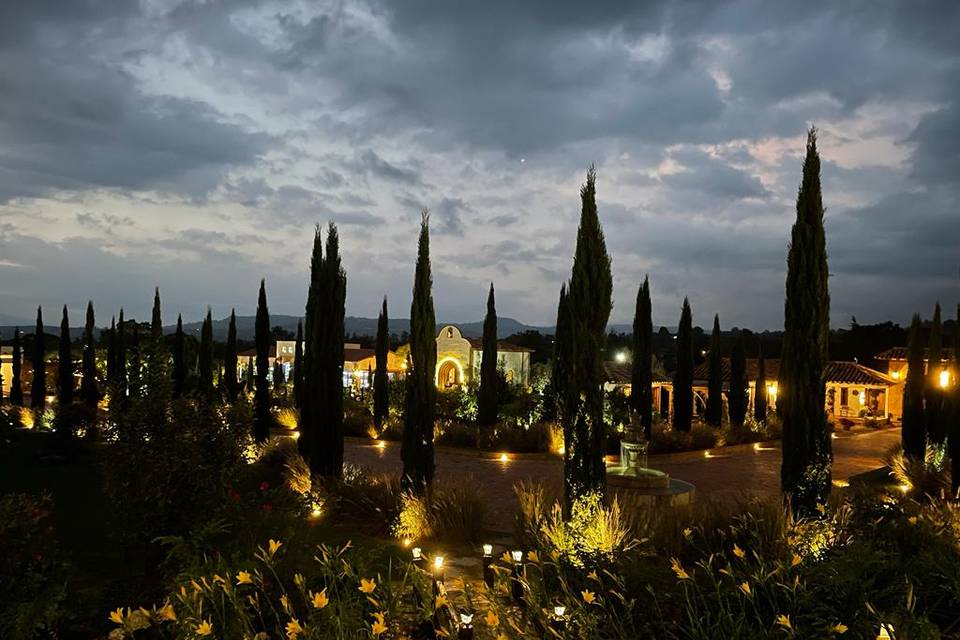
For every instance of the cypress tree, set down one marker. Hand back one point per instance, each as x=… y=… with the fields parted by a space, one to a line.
x=157 y=365
x=683 y=376
x=156 y=324
x=641 y=379
x=807 y=452
x=933 y=408
x=563 y=355
x=713 y=415
x=913 y=432
x=760 y=391
x=38 y=388
x=487 y=397
x=279 y=379
x=250 y=380
x=135 y=372
x=322 y=412
x=737 y=398
x=16 y=385
x=298 y=369
x=231 y=382
x=417 y=446
x=112 y=352
x=589 y=302
x=88 y=389
x=65 y=364
x=121 y=362
x=179 y=360
x=261 y=398
x=381 y=381
x=205 y=359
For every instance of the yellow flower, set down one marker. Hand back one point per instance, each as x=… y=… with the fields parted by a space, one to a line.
x=740 y=553
x=912 y=519
x=745 y=587
x=821 y=509
x=506 y=557
x=588 y=596
x=796 y=560
x=687 y=533
x=219 y=579
x=533 y=556
x=117 y=616
x=501 y=636
x=285 y=601
x=367 y=586
x=378 y=626
x=593 y=576
x=839 y=628
x=298 y=579
x=274 y=545
x=320 y=599
x=166 y=612
x=243 y=577
x=204 y=628
x=293 y=628
x=555 y=555
x=678 y=569
x=440 y=601
x=491 y=619
x=784 y=621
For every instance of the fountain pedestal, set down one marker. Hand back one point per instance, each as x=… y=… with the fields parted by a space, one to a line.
x=636 y=485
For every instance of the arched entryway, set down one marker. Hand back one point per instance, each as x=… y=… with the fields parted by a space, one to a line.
x=449 y=374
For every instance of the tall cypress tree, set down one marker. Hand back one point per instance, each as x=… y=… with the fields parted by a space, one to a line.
x=65 y=364
x=298 y=369
x=156 y=322
x=250 y=379
x=641 y=379
x=231 y=383
x=933 y=407
x=322 y=412
x=38 y=388
x=760 y=390
x=135 y=370
x=683 y=376
x=417 y=446
x=913 y=431
x=487 y=397
x=564 y=350
x=737 y=398
x=121 y=362
x=88 y=389
x=381 y=381
x=261 y=398
x=589 y=302
x=179 y=360
x=205 y=388
x=112 y=352
x=16 y=385
x=713 y=415
x=807 y=452
x=279 y=378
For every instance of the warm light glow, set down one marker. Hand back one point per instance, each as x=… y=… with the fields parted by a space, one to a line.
x=841 y=484
x=316 y=512
x=381 y=445
x=885 y=630
x=707 y=454
x=488 y=549
x=863 y=397
x=904 y=488
x=517 y=556
x=895 y=375
x=620 y=357
x=407 y=542
x=833 y=436
x=559 y=610
x=295 y=435
x=438 y=562
x=416 y=553
x=944 y=379
x=504 y=458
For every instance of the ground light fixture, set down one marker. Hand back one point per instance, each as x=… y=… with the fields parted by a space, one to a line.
x=559 y=621
x=488 y=573
x=516 y=583
x=465 y=632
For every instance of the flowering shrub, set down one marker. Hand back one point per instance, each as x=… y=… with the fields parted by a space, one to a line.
x=31 y=576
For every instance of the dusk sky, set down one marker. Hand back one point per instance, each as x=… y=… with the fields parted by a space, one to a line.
x=194 y=146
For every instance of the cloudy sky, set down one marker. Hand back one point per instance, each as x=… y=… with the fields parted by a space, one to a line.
x=194 y=145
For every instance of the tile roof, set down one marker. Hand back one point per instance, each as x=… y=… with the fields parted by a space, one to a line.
x=477 y=343
x=901 y=353
x=837 y=372
x=622 y=373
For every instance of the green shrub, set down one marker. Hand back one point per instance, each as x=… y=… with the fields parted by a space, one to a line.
x=664 y=439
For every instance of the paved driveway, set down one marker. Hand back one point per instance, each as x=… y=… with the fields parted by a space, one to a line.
x=740 y=471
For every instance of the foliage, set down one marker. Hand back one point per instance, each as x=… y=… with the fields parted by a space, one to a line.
x=914 y=431
x=683 y=376
x=450 y=513
x=921 y=478
x=32 y=588
x=262 y=420
x=667 y=440
x=713 y=413
x=381 y=380
x=487 y=393
x=641 y=379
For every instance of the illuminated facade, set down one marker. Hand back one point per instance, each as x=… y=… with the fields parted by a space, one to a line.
x=459 y=358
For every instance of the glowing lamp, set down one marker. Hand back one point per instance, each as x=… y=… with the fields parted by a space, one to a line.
x=466 y=619
x=620 y=357
x=417 y=553
x=407 y=542
x=895 y=375
x=438 y=562
x=944 y=379
x=863 y=398
x=559 y=611
x=517 y=556
x=504 y=457
x=488 y=549
x=381 y=445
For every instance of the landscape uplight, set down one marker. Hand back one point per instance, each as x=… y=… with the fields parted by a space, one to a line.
x=944 y=378
x=504 y=458
x=488 y=574
x=559 y=622
x=620 y=357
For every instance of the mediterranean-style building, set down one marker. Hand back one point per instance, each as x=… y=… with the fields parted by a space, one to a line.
x=896 y=359
x=459 y=358
x=6 y=370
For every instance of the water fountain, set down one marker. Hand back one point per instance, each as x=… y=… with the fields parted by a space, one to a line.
x=637 y=485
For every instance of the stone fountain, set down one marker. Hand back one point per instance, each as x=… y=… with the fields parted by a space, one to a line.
x=637 y=485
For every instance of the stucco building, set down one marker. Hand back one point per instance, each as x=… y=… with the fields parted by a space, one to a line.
x=459 y=358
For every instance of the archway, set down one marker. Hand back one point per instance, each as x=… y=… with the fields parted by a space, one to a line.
x=449 y=374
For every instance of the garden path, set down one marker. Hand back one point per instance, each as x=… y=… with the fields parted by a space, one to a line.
x=724 y=475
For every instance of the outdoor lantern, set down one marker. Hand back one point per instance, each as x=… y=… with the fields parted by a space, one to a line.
x=559 y=621
x=944 y=378
x=466 y=626
x=516 y=586
x=488 y=574
x=417 y=554
x=437 y=573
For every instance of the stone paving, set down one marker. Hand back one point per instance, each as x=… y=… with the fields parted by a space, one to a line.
x=726 y=475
